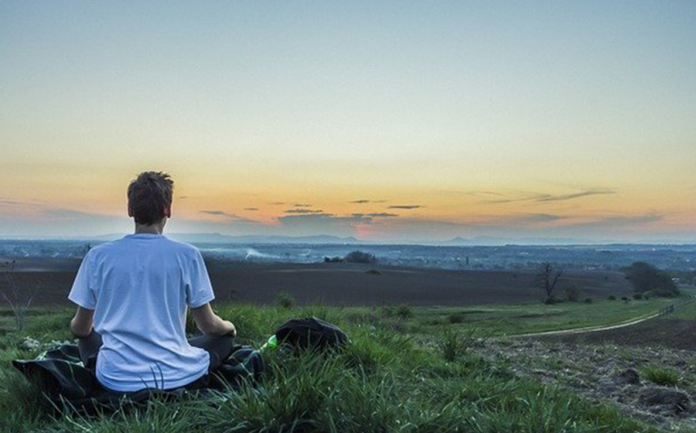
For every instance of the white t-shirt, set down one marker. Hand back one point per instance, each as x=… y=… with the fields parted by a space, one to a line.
x=139 y=287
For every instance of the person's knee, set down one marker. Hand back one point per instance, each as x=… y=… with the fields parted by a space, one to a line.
x=226 y=342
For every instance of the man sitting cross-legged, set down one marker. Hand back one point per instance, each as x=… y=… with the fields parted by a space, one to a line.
x=132 y=296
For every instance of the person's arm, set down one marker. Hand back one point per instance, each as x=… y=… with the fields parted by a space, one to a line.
x=82 y=294
x=210 y=323
x=81 y=324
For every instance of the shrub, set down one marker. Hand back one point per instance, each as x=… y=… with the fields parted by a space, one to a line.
x=285 y=300
x=373 y=272
x=644 y=277
x=333 y=260
x=455 y=318
x=552 y=300
x=452 y=344
x=625 y=299
x=358 y=256
x=572 y=294
x=661 y=376
x=19 y=302
x=637 y=296
x=660 y=294
x=588 y=300
x=612 y=298
x=404 y=312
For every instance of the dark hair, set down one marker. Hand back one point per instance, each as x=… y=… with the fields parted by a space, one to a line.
x=149 y=195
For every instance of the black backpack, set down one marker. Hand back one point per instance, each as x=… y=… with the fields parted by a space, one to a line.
x=310 y=332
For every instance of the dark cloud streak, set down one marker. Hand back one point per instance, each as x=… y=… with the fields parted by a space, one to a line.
x=377 y=214
x=549 y=198
x=231 y=216
x=364 y=201
x=406 y=206
x=304 y=211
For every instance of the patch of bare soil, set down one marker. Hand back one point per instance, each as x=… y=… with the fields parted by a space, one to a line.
x=341 y=284
x=610 y=374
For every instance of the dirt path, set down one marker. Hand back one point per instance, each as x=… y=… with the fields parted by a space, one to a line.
x=598 y=328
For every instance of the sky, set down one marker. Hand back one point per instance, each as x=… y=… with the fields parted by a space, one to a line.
x=388 y=121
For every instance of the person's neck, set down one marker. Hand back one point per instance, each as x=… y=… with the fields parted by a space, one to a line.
x=153 y=229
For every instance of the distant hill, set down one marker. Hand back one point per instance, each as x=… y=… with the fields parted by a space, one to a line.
x=212 y=238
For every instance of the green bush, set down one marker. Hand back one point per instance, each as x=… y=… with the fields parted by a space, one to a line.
x=453 y=344
x=588 y=300
x=358 y=256
x=285 y=300
x=661 y=376
x=551 y=300
x=455 y=318
x=638 y=296
x=612 y=298
x=661 y=294
x=572 y=294
x=403 y=312
x=645 y=276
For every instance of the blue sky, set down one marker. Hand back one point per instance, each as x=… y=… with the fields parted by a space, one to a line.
x=540 y=118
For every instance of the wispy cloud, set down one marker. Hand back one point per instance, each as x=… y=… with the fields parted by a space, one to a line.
x=523 y=219
x=251 y=209
x=364 y=201
x=619 y=221
x=562 y=197
x=302 y=205
x=322 y=223
x=11 y=202
x=277 y=203
x=377 y=214
x=228 y=215
x=324 y=217
x=406 y=206
x=215 y=212
x=61 y=213
x=304 y=211
x=545 y=197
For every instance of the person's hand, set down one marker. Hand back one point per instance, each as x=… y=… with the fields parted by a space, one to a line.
x=232 y=330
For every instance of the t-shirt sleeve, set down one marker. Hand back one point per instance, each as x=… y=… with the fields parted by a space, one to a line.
x=82 y=292
x=199 y=290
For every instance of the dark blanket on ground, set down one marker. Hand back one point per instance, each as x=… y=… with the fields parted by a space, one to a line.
x=61 y=374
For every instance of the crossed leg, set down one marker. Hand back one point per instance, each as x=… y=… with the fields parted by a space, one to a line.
x=219 y=348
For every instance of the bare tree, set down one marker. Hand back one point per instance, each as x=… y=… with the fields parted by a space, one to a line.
x=547 y=278
x=18 y=304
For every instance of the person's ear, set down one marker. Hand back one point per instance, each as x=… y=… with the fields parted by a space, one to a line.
x=130 y=212
x=168 y=211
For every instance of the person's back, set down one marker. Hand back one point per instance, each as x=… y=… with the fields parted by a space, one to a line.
x=135 y=292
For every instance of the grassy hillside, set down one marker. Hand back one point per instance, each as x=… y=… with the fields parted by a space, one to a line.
x=536 y=317
x=671 y=331
x=388 y=379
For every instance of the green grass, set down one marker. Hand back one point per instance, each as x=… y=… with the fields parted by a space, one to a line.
x=660 y=375
x=685 y=312
x=536 y=317
x=387 y=380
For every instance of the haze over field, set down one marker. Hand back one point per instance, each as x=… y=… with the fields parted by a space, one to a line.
x=387 y=122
